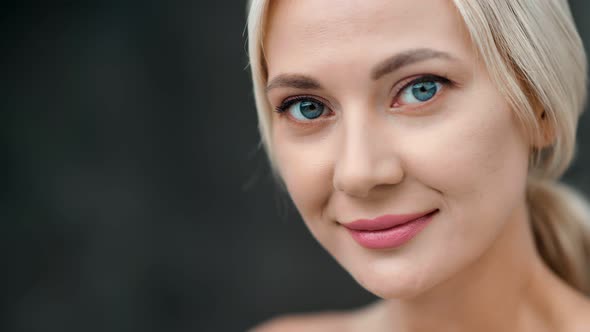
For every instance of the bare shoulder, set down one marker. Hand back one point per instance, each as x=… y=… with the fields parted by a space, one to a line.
x=309 y=322
x=580 y=315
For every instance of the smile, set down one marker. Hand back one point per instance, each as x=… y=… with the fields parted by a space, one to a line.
x=388 y=231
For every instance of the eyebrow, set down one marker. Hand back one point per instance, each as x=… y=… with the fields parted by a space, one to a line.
x=293 y=81
x=383 y=68
x=407 y=58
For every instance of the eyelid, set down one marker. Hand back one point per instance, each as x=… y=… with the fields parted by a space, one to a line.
x=283 y=108
x=406 y=83
x=289 y=101
x=417 y=79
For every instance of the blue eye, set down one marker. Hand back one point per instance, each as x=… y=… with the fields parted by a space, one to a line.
x=302 y=109
x=422 y=89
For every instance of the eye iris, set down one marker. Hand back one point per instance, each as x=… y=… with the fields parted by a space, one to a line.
x=424 y=90
x=310 y=109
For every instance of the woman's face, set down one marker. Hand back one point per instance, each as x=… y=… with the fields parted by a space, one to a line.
x=386 y=110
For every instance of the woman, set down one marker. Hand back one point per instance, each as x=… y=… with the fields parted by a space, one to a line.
x=421 y=142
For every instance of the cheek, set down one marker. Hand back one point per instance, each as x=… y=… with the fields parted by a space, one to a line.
x=478 y=162
x=483 y=155
x=472 y=147
x=305 y=167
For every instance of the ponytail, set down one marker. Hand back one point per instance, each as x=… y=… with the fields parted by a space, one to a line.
x=560 y=221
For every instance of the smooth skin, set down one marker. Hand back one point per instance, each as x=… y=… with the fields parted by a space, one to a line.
x=377 y=150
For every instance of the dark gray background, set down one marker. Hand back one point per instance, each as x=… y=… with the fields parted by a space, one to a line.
x=134 y=195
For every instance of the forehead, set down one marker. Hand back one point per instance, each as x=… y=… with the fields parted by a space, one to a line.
x=304 y=34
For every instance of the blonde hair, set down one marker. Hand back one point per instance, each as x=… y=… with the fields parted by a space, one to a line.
x=535 y=57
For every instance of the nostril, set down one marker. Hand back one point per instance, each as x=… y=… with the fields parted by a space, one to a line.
x=356 y=186
x=359 y=179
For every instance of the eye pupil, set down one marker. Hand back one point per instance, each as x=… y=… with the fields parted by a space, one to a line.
x=310 y=109
x=424 y=91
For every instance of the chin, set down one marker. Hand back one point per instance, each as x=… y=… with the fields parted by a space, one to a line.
x=395 y=290
x=396 y=284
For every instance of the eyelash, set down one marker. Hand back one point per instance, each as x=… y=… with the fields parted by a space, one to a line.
x=288 y=102
x=284 y=106
x=421 y=79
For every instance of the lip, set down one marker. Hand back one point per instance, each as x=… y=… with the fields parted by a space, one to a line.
x=384 y=222
x=388 y=231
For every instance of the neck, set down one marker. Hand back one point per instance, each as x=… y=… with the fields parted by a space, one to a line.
x=504 y=290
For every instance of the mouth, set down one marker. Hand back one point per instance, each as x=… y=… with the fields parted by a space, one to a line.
x=389 y=231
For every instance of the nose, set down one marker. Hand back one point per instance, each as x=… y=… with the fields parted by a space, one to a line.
x=367 y=160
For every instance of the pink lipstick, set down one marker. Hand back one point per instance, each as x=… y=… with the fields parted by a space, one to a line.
x=388 y=231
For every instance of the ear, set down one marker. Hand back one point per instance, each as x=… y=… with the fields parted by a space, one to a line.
x=547 y=130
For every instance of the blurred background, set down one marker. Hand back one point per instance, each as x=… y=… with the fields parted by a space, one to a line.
x=134 y=195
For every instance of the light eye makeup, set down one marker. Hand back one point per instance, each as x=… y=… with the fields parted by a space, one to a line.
x=303 y=108
x=419 y=90
x=413 y=92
